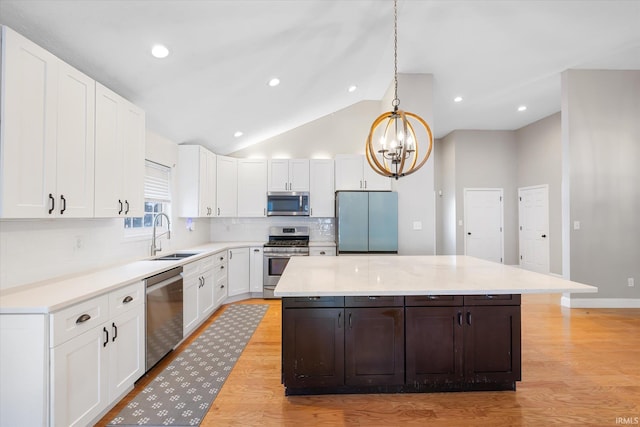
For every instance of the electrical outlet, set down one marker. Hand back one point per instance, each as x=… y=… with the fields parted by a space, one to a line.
x=576 y=225
x=631 y=282
x=417 y=225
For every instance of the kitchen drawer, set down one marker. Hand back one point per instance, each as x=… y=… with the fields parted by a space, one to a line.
x=73 y=321
x=322 y=251
x=126 y=298
x=374 y=301
x=298 y=302
x=198 y=267
x=492 y=299
x=434 y=300
x=220 y=258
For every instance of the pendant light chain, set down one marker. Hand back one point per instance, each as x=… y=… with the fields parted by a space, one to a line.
x=396 y=102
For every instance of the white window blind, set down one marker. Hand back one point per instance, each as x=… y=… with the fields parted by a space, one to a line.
x=157 y=182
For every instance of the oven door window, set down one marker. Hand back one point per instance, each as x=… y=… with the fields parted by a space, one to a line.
x=277 y=265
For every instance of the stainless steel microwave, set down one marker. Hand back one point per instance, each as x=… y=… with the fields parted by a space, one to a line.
x=288 y=203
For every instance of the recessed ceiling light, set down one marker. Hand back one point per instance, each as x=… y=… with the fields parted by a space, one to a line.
x=238 y=134
x=274 y=82
x=159 y=51
x=457 y=99
x=522 y=108
x=352 y=88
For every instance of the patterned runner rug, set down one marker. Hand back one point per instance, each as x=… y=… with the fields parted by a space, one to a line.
x=183 y=392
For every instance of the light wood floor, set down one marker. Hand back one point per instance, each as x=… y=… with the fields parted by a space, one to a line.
x=579 y=367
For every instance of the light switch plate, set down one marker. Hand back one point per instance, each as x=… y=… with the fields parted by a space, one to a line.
x=576 y=225
x=417 y=225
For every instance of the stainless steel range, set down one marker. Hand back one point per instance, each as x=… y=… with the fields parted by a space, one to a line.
x=284 y=242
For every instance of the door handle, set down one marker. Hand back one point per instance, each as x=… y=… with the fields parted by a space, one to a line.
x=53 y=203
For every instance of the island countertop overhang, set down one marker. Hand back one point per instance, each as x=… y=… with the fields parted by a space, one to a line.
x=399 y=275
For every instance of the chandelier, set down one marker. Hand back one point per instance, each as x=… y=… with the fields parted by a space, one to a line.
x=398 y=151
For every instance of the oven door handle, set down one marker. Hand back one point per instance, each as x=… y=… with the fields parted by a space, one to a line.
x=283 y=255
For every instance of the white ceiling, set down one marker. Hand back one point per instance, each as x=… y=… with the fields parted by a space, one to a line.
x=496 y=54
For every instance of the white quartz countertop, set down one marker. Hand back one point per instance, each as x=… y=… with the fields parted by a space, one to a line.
x=52 y=295
x=413 y=275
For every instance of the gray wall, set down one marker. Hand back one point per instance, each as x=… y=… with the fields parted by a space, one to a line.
x=539 y=158
x=601 y=141
x=446 y=195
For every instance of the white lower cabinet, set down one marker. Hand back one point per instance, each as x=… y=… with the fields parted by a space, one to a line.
x=256 y=267
x=198 y=295
x=220 y=288
x=79 y=378
x=238 y=271
x=92 y=368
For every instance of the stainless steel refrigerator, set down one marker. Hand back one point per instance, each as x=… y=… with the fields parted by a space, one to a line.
x=367 y=222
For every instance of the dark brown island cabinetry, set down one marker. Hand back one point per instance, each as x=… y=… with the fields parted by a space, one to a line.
x=397 y=344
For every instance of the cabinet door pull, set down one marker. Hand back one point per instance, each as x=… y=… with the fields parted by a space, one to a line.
x=222 y=267
x=339 y=320
x=460 y=318
x=64 y=204
x=126 y=211
x=218 y=211
x=365 y=184
x=360 y=184
x=323 y=253
x=469 y=318
x=121 y=207
x=115 y=331
x=82 y=318
x=106 y=333
x=350 y=326
x=221 y=286
x=311 y=211
x=127 y=299
x=53 y=203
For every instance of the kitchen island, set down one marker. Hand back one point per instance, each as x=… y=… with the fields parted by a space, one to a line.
x=392 y=324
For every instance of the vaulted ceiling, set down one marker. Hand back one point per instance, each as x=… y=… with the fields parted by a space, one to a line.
x=496 y=55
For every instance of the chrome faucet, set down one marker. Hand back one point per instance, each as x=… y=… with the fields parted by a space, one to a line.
x=154 y=248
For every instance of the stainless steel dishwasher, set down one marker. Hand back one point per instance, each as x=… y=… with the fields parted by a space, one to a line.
x=164 y=314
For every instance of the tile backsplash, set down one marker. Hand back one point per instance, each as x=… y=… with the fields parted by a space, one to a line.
x=257 y=229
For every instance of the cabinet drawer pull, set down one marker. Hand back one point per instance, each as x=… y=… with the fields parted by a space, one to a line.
x=115 y=331
x=256 y=250
x=82 y=318
x=373 y=298
x=106 y=333
x=490 y=296
x=432 y=297
x=53 y=203
x=64 y=204
x=323 y=253
x=127 y=299
x=313 y=298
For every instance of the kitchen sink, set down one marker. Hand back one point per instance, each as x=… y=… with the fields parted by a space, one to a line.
x=176 y=256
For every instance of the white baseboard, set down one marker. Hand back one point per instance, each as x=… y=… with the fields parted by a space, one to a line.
x=599 y=302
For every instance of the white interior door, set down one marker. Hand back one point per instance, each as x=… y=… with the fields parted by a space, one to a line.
x=533 y=213
x=483 y=223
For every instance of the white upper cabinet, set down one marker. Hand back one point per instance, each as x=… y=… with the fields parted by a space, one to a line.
x=288 y=175
x=46 y=134
x=227 y=186
x=321 y=188
x=252 y=188
x=196 y=181
x=354 y=173
x=119 y=168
